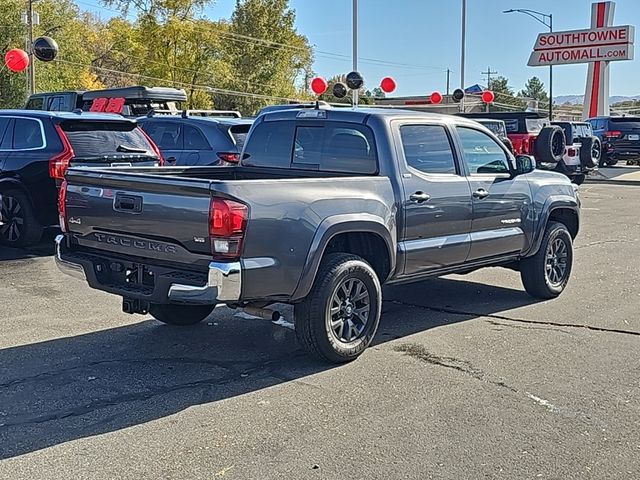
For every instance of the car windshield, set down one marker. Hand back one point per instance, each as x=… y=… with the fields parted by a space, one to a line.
x=626 y=122
x=534 y=125
x=113 y=139
x=495 y=127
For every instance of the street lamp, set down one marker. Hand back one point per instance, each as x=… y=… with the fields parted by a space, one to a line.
x=547 y=21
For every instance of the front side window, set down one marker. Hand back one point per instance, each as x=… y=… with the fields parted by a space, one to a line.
x=427 y=148
x=27 y=134
x=482 y=153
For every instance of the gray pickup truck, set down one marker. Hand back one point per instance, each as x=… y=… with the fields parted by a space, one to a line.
x=326 y=207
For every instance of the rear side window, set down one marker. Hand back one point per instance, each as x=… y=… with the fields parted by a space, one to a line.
x=194 y=140
x=35 y=103
x=27 y=134
x=99 y=139
x=57 y=104
x=4 y=124
x=427 y=148
x=166 y=135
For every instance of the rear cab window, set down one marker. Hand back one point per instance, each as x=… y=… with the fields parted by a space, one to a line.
x=328 y=146
x=95 y=140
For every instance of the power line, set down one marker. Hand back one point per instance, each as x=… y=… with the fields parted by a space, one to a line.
x=193 y=86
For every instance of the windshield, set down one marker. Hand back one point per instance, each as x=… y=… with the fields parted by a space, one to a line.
x=626 y=122
x=534 y=125
x=496 y=127
x=112 y=139
x=239 y=134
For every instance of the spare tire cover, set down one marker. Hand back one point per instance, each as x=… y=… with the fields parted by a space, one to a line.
x=550 y=144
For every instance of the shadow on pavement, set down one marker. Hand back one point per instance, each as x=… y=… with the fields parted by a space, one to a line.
x=42 y=249
x=70 y=388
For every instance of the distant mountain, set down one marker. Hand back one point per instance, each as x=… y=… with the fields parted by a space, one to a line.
x=578 y=99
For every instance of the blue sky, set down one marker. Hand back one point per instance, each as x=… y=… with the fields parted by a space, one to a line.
x=424 y=35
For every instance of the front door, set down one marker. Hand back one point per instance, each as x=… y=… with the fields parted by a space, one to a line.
x=437 y=200
x=169 y=137
x=501 y=201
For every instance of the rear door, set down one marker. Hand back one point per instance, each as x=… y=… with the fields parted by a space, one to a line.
x=501 y=202
x=437 y=199
x=108 y=143
x=168 y=137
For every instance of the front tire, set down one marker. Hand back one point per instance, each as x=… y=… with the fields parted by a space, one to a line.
x=20 y=227
x=180 y=315
x=546 y=274
x=340 y=316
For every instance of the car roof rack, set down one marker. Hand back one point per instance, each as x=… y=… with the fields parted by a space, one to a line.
x=196 y=113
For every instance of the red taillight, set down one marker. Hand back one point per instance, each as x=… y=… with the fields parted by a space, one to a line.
x=59 y=163
x=62 y=206
x=155 y=148
x=229 y=157
x=613 y=134
x=227 y=224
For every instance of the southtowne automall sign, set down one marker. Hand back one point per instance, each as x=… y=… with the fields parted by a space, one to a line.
x=579 y=46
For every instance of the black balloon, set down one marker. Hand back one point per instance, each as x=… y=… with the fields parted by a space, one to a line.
x=339 y=90
x=45 y=48
x=354 y=80
x=458 y=94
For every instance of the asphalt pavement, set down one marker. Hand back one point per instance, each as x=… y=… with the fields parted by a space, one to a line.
x=469 y=378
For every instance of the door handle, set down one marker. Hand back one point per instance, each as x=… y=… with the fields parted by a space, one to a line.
x=480 y=193
x=171 y=160
x=419 y=197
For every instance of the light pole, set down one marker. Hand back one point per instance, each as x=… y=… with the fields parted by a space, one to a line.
x=547 y=21
x=355 y=49
x=463 y=48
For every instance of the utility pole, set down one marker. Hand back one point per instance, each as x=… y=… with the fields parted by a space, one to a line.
x=31 y=72
x=355 y=48
x=488 y=73
x=463 y=49
x=448 y=74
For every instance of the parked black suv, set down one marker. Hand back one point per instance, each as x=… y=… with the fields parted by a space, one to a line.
x=620 y=137
x=37 y=147
x=189 y=140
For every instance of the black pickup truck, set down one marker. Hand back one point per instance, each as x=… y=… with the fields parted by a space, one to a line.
x=325 y=207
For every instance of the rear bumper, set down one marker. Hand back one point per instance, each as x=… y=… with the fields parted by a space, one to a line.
x=221 y=283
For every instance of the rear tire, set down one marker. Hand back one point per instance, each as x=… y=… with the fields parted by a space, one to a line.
x=180 y=315
x=546 y=274
x=20 y=226
x=590 y=151
x=340 y=316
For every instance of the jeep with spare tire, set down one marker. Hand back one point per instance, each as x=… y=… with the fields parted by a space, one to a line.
x=531 y=133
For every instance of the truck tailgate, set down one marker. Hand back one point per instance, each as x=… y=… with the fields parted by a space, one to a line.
x=110 y=208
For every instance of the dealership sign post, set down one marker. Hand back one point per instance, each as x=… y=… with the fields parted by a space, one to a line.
x=598 y=46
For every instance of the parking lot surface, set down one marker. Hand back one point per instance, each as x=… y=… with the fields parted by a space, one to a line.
x=469 y=377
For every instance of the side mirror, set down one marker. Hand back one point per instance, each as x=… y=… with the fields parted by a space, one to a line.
x=525 y=164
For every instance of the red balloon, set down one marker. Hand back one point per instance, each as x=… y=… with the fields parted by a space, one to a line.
x=319 y=85
x=388 y=84
x=436 y=97
x=488 y=96
x=16 y=60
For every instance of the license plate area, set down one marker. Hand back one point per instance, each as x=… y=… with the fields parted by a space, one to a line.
x=129 y=276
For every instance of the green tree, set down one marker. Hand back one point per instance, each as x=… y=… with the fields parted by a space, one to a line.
x=534 y=88
x=264 y=54
x=504 y=93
